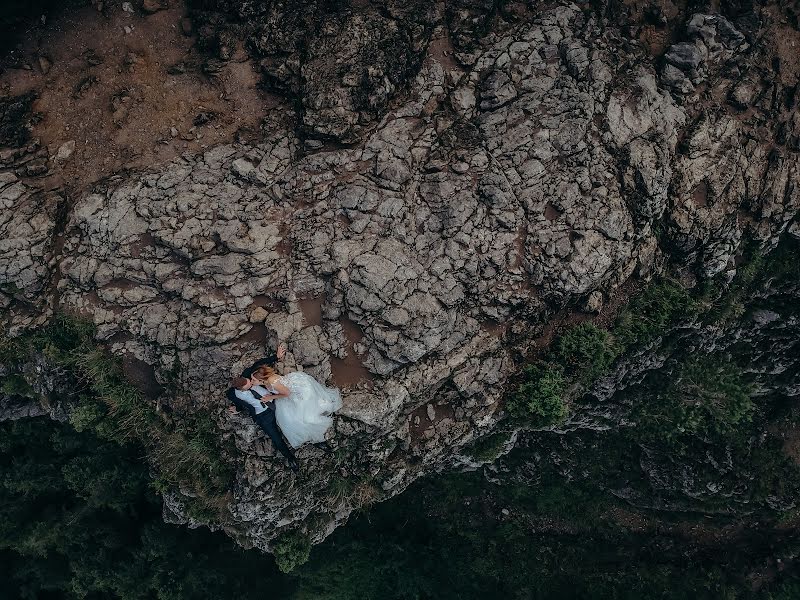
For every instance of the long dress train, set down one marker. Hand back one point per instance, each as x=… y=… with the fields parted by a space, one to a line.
x=305 y=415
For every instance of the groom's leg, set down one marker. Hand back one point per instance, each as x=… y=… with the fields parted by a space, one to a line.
x=266 y=420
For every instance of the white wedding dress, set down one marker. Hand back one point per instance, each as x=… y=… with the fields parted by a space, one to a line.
x=305 y=415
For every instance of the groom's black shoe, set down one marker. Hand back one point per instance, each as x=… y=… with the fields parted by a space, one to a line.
x=294 y=465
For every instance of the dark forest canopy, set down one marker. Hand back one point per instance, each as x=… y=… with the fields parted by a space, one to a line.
x=78 y=519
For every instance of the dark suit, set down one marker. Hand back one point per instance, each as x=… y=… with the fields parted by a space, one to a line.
x=266 y=419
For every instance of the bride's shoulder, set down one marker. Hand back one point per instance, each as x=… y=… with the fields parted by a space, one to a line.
x=280 y=379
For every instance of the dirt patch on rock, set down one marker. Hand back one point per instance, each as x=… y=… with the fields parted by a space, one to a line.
x=349 y=371
x=126 y=90
x=424 y=419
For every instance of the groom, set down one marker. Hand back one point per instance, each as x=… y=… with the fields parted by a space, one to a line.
x=242 y=396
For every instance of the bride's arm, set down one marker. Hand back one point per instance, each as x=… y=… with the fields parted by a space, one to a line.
x=282 y=391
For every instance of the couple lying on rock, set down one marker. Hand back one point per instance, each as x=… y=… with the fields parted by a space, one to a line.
x=293 y=406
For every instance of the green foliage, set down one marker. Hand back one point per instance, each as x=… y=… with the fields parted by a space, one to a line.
x=453 y=536
x=651 y=313
x=12 y=351
x=705 y=398
x=87 y=416
x=713 y=395
x=730 y=302
x=540 y=398
x=78 y=519
x=775 y=475
x=580 y=355
x=186 y=454
x=488 y=448
x=723 y=303
x=784 y=590
x=340 y=488
x=16 y=385
x=291 y=549
x=585 y=351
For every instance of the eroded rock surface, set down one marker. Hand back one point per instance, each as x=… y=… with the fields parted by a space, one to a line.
x=542 y=170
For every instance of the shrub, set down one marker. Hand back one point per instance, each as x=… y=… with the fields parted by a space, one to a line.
x=651 y=313
x=780 y=265
x=291 y=549
x=339 y=489
x=87 y=415
x=585 y=351
x=488 y=448
x=539 y=399
x=12 y=351
x=706 y=398
x=359 y=492
x=715 y=387
x=16 y=385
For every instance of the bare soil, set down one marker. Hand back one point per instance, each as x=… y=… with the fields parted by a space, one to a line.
x=350 y=371
x=129 y=98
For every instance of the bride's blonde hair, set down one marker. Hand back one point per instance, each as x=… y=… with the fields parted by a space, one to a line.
x=263 y=373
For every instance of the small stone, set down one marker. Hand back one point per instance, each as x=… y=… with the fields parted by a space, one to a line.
x=92 y=58
x=742 y=95
x=129 y=61
x=177 y=69
x=203 y=117
x=258 y=315
x=127 y=29
x=242 y=167
x=127 y=7
x=594 y=303
x=65 y=150
x=36 y=168
x=45 y=64
x=460 y=167
x=431 y=412
x=684 y=55
x=173 y=132
x=152 y=6
x=6 y=178
x=505 y=512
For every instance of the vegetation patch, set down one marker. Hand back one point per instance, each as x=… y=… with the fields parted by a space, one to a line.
x=291 y=549
x=184 y=454
x=582 y=354
x=652 y=313
x=488 y=448
x=79 y=519
x=357 y=491
x=700 y=396
x=585 y=351
x=16 y=385
x=540 y=398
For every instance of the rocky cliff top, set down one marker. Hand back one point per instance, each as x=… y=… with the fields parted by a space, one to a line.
x=430 y=189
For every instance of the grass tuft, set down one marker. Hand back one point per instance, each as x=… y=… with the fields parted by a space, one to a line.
x=186 y=455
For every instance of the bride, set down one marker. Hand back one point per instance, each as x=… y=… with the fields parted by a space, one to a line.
x=303 y=406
